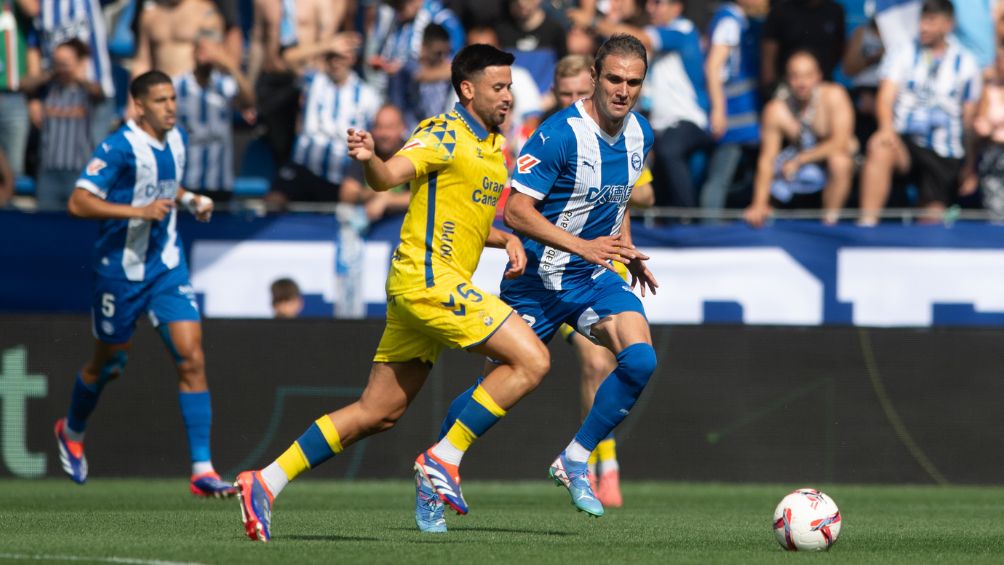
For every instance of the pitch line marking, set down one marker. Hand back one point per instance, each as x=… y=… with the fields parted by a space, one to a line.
x=125 y=560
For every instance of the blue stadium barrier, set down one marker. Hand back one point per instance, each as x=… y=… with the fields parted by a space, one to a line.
x=250 y=187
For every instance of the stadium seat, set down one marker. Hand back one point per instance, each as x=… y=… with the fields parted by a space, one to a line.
x=24 y=186
x=257 y=170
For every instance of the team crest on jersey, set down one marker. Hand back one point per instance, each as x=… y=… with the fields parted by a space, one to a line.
x=413 y=144
x=95 y=166
x=636 y=161
x=526 y=162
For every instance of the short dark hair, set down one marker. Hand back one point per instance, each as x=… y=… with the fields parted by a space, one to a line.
x=284 y=289
x=142 y=84
x=474 y=59
x=620 y=44
x=944 y=7
x=433 y=33
x=78 y=47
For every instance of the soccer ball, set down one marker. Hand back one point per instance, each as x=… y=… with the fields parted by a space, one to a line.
x=806 y=520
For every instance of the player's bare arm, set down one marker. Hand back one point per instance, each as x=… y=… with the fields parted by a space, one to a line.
x=380 y=175
x=513 y=248
x=85 y=205
x=521 y=215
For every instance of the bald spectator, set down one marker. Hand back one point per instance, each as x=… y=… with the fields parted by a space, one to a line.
x=168 y=31
x=807 y=145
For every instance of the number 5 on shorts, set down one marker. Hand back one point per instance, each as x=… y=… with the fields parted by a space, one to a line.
x=107 y=305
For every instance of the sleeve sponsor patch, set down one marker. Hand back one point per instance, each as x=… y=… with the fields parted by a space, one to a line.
x=95 y=166
x=526 y=162
x=413 y=144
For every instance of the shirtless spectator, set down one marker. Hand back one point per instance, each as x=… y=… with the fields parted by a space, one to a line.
x=807 y=144
x=287 y=36
x=168 y=32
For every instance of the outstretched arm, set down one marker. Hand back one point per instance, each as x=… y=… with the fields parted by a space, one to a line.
x=380 y=175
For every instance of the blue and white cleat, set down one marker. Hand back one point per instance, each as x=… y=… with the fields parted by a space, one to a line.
x=210 y=485
x=256 y=505
x=71 y=454
x=575 y=477
x=444 y=478
x=429 y=508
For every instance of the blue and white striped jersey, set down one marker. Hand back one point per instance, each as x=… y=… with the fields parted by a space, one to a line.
x=131 y=167
x=61 y=20
x=329 y=110
x=205 y=114
x=932 y=94
x=676 y=83
x=583 y=179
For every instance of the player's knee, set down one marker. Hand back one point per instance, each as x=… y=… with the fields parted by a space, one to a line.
x=635 y=365
x=538 y=364
x=597 y=367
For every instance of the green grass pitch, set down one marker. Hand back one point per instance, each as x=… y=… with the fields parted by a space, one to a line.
x=157 y=521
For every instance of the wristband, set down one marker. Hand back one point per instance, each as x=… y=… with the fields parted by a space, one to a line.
x=189 y=201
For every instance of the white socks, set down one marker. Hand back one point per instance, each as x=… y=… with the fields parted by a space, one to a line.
x=576 y=453
x=275 y=478
x=447 y=452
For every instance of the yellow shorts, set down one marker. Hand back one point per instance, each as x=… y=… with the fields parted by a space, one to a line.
x=565 y=330
x=453 y=313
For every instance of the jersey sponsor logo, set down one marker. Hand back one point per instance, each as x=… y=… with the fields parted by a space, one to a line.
x=413 y=144
x=489 y=192
x=526 y=163
x=95 y=166
x=616 y=193
x=636 y=161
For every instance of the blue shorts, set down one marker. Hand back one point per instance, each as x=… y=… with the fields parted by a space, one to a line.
x=580 y=307
x=119 y=303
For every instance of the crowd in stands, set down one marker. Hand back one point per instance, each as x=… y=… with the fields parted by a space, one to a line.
x=756 y=104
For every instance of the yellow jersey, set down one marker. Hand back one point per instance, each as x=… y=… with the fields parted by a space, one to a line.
x=460 y=173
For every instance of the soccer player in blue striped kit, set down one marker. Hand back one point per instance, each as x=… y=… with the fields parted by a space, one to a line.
x=132 y=184
x=568 y=205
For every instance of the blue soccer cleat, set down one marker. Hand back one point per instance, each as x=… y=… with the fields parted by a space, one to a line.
x=71 y=454
x=210 y=485
x=444 y=478
x=429 y=508
x=575 y=477
x=256 y=505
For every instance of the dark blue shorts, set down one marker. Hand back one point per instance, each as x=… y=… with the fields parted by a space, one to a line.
x=580 y=307
x=119 y=303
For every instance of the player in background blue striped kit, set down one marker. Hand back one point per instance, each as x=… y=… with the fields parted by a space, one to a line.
x=132 y=185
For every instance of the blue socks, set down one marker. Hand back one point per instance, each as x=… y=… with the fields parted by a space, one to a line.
x=618 y=393
x=456 y=407
x=197 y=412
x=82 y=402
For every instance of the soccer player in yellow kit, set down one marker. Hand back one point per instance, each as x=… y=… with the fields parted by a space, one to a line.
x=455 y=164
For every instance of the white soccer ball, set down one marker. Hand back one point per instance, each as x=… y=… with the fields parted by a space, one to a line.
x=807 y=520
